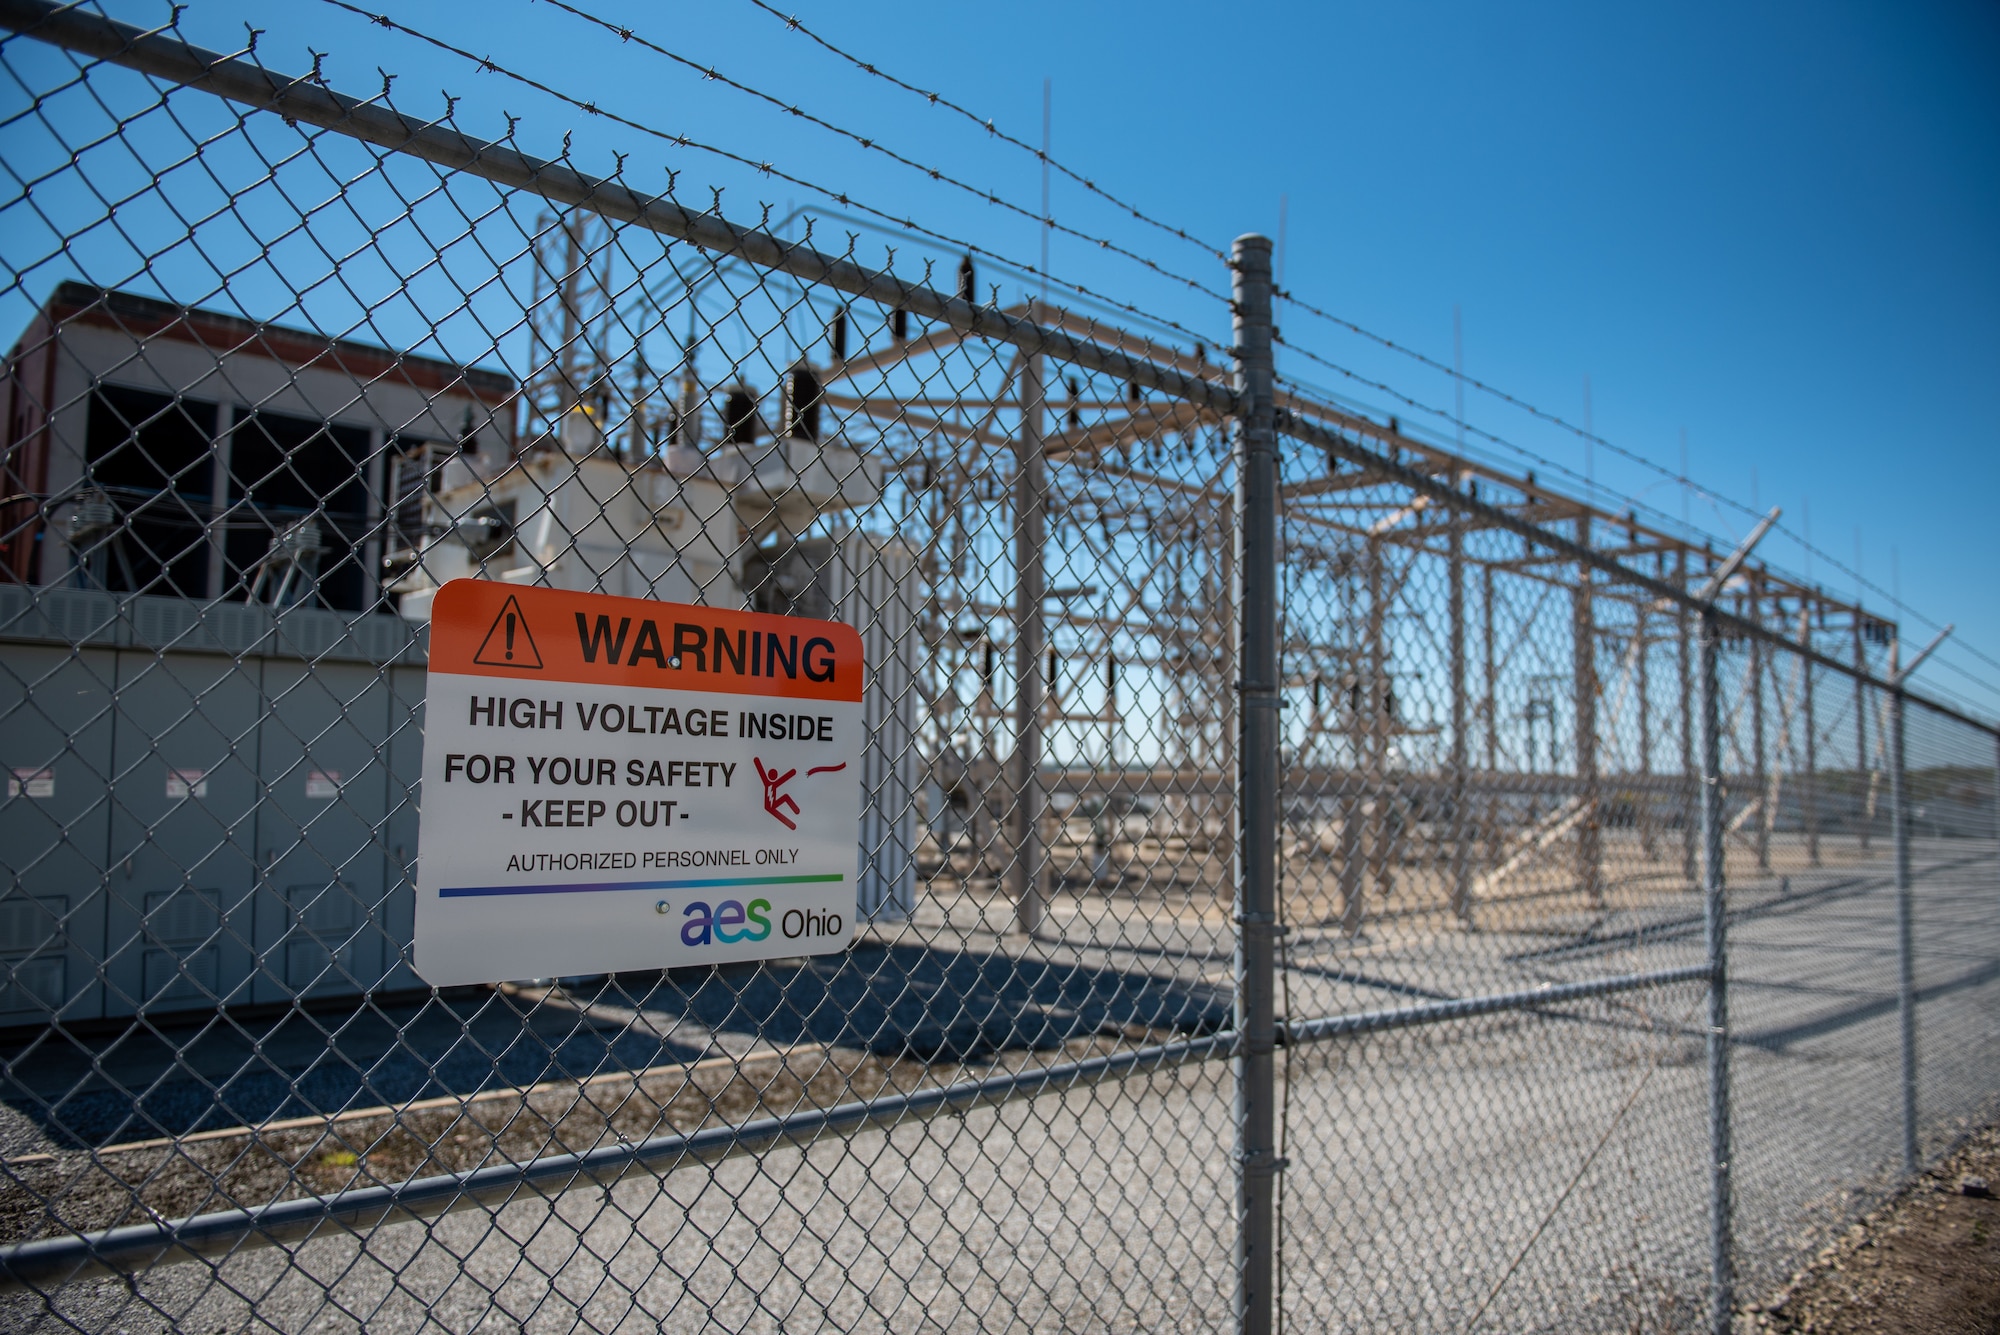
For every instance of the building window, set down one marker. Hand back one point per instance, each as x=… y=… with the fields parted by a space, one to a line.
x=285 y=471
x=140 y=525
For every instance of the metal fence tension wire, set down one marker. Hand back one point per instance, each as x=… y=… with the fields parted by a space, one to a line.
x=1257 y=1162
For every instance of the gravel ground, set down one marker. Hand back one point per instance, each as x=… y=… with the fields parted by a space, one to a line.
x=1524 y=1172
x=1928 y=1263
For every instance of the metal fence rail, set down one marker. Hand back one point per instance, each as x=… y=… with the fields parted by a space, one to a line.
x=1306 y=874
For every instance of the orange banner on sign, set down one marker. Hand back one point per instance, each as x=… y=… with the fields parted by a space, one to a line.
x=481 y=628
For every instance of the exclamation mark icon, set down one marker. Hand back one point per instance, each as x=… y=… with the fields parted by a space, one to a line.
x=510 y=641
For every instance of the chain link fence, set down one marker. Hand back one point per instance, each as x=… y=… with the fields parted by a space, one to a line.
x=1305 y=875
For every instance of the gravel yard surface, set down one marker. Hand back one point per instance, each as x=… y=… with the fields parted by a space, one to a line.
x=1538 y=1170
x=1928 y=1263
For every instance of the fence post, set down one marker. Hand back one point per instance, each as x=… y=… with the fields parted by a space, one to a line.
x=1906 y=946
x=1378 y=692
x=1864 y=774
x=1809 y=726
x=1460 y=829
x=1583 y=678
x=1722 y=1264
x=1690 y=820
x=1030 y=535
x=1762 y=669
x=1256 y=869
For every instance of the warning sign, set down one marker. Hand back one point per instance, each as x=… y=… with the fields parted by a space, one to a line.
x=613 y=783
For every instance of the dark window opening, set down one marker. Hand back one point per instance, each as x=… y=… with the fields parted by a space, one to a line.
x=140 y=525
x=285 y=469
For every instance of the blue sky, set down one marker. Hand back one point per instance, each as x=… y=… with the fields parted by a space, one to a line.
x=1772 y=226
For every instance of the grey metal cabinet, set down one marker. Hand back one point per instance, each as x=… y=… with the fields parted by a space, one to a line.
x=320 y=832
x=184 y=799
x=55 y=747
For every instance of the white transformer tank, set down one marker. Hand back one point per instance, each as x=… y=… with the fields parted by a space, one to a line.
x=718 y=527
x=866 y=582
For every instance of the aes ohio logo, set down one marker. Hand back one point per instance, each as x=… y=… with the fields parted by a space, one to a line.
x=730 y=921
x=611 y=783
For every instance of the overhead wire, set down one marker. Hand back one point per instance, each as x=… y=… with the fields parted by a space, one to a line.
x=1542 y=461
x=1473 y=382
x=1518 y=450
x=871 y=144
x=1593 y=438
x=992 y=197
x=487 y=64
x=988 y=124
x=1083 y=299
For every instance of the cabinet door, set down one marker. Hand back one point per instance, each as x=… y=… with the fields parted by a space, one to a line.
x=183 y=832
x=323 y=753
x=56 y=724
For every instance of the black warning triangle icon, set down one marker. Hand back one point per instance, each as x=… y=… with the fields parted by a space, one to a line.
x=508 y=643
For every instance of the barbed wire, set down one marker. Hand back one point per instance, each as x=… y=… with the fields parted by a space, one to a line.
x=871 y=144
x=487 y=64
x=1082 y=299
x=993 y=197
x=1483 y=386
x=846 y=200
x=987 y=124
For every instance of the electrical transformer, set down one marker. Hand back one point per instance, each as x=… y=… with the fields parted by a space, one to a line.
x=213 y=716
x=743 y=524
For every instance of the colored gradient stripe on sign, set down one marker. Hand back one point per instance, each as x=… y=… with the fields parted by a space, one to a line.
x=701 y=883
